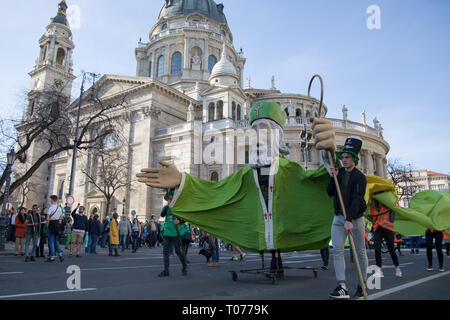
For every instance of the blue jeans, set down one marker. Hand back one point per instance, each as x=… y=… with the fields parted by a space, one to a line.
x=53 y=243
x=122 y=241
x=215 y=253
x=415 y=243
x=135 y=241
x=104 y=239
x=93 y=239
x=27 y=243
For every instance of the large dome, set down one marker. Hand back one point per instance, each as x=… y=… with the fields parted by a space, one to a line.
x=183 y=7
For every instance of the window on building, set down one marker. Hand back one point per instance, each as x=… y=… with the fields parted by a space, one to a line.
x=60 y=56
x=160 y=67
x=214 y=176
x=211 y=110
x=164 y=27
x=219 y=115
x=212 y=60
x=176 y=63
x=238 y=113
x=150 y=69
x=298 y=113
x=111 y=141
x=233 y=111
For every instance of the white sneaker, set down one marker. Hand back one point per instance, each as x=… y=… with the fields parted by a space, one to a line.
x=398 y=272
x=379 y=273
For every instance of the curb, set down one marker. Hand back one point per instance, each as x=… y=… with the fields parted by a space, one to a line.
x=6 y=254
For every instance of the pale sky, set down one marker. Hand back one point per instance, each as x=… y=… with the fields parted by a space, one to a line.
x=398 y=73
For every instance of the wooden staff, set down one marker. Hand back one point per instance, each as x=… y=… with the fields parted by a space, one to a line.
x=338 y=189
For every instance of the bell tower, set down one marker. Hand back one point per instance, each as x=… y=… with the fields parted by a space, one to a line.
x=53 y=68
x=51 y=78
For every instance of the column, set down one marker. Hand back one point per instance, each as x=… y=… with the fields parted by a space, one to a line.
x=370 y=163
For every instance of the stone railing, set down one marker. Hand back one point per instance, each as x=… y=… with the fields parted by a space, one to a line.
x=245 y=124
x=337 y=123
x=170 y=32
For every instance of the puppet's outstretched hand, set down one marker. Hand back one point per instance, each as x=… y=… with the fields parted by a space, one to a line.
x=163 y=178
x=323 y=133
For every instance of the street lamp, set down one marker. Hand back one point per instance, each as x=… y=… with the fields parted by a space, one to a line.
x=123 y=207
x=11 y=157
x=68 y=208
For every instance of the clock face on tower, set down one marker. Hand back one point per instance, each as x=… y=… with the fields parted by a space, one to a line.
x=58 y=84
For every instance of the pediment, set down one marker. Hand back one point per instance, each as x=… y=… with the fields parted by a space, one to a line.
x=220 y=89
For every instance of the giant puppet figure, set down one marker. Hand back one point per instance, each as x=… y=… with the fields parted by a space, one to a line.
x=273 y=204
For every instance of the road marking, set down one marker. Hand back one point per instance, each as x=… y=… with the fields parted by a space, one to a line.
x=8 y=273
x=407 y=285
x=401 y=265
x=45 y=293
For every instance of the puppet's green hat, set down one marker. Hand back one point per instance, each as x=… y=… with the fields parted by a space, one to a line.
x=267 y=110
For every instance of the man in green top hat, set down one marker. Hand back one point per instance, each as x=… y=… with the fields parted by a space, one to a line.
x=271 y=205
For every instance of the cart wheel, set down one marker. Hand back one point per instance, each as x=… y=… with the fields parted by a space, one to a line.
x=234 y=276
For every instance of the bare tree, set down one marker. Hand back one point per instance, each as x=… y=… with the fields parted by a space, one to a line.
x=107 y=167
x=50 y=121
x=402 y=177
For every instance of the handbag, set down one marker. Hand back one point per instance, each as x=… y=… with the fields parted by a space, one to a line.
x=186 y=238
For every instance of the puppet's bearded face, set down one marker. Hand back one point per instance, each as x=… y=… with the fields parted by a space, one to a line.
x=267 y=143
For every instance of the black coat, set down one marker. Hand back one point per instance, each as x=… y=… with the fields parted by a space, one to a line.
x=94 y=227
x=354 y=202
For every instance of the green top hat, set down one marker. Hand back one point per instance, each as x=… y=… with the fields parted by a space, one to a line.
x=169 y=192
x=267 y=110
x=352 y=146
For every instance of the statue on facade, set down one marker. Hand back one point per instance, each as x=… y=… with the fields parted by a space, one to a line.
x=196 y=62
x=363 y=117
x=345 y=113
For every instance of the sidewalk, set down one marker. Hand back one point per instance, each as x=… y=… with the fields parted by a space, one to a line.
x=9 y=249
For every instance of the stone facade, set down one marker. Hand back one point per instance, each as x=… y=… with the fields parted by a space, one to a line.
x=423 y=180
x=186 y=97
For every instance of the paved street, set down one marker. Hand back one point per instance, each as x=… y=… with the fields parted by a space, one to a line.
x=133 y=276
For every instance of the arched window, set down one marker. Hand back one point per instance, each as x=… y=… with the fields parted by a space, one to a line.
x=233 y=111
x=298 y=113
x=164 y=27
x=44 y=53
x=60 y=55
x=211 y=62
x=286 y=111
x=176 y=63
x=150 y=69
x=160 y=67
x=211 y=110
x=111 y=141
x=219 y=112
x=238 y=113
x=214 y=176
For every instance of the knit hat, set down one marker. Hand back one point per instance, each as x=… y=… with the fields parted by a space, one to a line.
x=353 y=146
x=267 y=110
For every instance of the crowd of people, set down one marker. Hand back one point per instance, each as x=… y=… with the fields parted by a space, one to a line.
x=80 y=234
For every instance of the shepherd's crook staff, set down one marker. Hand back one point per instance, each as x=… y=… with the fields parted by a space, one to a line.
x=338 y=189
